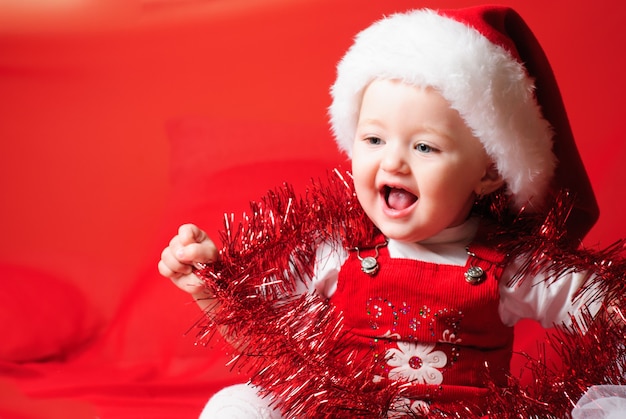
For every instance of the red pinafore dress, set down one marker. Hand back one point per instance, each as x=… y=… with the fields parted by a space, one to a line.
x=427 y=324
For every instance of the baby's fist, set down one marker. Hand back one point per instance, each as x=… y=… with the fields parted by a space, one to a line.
x=190 y=247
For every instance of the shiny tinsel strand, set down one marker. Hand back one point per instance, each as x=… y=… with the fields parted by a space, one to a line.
x=294 y=344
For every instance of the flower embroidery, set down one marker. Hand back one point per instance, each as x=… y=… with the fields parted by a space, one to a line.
x=416 y=362
x=450 y=337
x=389 y=335
x=403 y=407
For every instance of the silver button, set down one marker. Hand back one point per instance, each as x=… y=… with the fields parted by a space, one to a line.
x=369 y=265
x=474 y=275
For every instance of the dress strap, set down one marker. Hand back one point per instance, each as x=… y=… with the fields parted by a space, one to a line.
x=484 y=256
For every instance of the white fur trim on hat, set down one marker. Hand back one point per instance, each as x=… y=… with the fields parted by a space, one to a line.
x=489 y=88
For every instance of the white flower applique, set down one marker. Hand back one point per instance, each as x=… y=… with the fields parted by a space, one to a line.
x=386 y=335
x=403 y=407
x=389 y=335
x=449 y=337
x=416 y=362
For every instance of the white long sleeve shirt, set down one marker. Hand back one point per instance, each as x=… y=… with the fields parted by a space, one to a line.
x=532 y=298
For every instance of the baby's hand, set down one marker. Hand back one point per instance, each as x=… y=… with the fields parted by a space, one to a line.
x=190 y=247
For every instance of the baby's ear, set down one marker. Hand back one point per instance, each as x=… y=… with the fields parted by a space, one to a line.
x=490 y=182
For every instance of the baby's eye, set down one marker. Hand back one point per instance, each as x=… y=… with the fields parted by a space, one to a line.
x=423 y=148
x=373 y=140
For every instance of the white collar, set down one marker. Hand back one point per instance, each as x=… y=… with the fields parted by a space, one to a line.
x=447 y=247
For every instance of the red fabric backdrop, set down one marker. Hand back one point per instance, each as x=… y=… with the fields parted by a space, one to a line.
x=120 y=121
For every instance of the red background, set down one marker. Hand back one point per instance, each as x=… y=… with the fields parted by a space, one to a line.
x=84 y=161
x=86 y=93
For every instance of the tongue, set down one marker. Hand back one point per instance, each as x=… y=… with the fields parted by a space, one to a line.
x=400 y=199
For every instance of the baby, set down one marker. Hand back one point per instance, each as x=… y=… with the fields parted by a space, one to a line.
x=429 y=267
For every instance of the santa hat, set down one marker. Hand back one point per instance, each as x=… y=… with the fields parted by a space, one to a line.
x=486 y=62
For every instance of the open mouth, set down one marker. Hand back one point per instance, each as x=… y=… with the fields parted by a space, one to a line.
x=398 y=199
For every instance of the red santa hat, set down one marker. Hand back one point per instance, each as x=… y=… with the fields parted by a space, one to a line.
x=486 y=62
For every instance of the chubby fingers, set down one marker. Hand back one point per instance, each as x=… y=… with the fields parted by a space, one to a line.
x=193 y=246
x=190 y=247
x=181 y=274
x=196 y=253
x=172 y=267
x=190 y=233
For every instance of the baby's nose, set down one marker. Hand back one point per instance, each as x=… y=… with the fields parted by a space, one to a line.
x=394 y=159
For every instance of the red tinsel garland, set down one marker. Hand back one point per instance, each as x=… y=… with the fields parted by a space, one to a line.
x=294 y=345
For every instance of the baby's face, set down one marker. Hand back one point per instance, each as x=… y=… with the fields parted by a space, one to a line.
x=417 y=167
